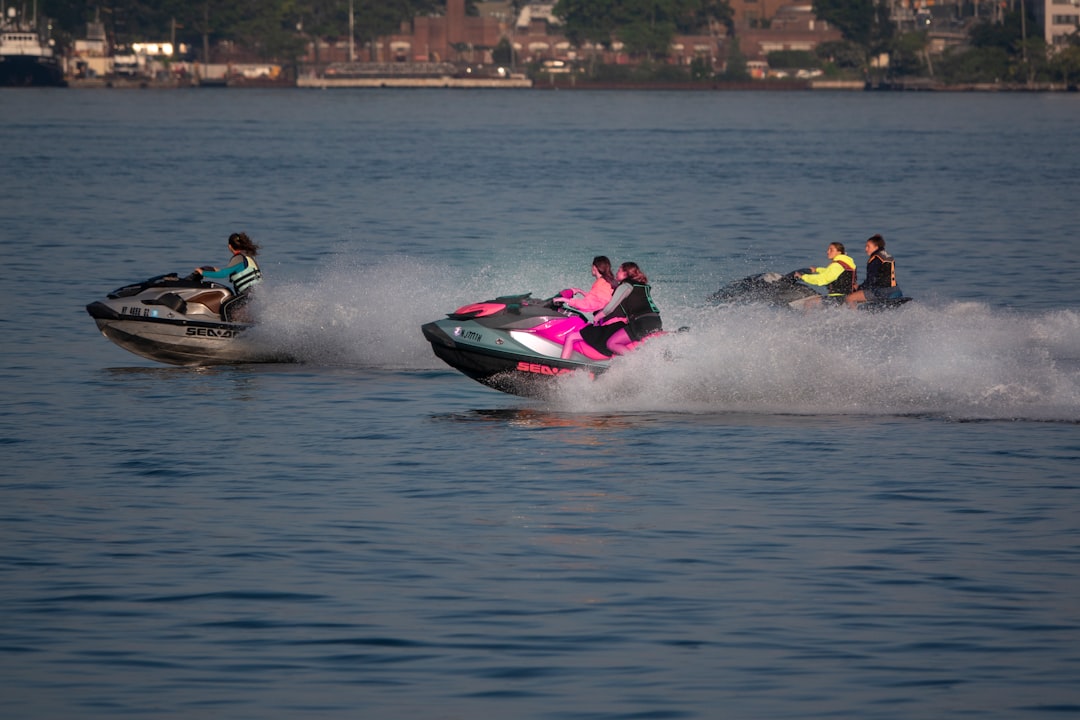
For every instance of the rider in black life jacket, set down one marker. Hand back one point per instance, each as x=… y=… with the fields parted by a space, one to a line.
x=880 y=284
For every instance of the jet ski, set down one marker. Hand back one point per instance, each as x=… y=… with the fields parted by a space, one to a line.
x=513 y=343
x=178 y=321
x=774 y=289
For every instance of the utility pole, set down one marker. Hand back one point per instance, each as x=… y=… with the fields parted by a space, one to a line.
x=352 y=33
x=1023 y=41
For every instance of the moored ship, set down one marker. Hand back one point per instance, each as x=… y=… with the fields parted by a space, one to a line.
x=27 y=57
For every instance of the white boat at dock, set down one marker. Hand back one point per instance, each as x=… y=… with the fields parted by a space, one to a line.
x=27 y=57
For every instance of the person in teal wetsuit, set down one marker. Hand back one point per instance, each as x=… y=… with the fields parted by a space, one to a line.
x=242 y=271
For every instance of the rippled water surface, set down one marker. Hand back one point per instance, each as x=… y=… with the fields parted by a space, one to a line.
x=773 y=515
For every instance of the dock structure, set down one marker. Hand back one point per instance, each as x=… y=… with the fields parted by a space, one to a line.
x=412 y=75
x=402 y=82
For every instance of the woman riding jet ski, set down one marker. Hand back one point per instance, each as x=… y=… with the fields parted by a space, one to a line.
x=242 y=270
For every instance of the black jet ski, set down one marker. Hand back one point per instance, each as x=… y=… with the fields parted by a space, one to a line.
x=513 y=343
x=772 y=288
x=178 y=321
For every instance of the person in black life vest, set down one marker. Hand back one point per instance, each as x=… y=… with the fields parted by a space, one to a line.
x=634 y=313
x=838 y=277
x=880 y=283
x=242 y=271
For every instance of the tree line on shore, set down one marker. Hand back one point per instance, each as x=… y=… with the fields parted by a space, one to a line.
x=1003 y=49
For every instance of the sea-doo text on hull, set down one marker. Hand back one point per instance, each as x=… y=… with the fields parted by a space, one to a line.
x=178 y=321
x=513 y=343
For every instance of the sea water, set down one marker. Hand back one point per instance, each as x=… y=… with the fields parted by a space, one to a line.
x=772 y=515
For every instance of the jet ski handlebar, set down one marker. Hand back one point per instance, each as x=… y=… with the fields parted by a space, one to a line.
x=565 y=309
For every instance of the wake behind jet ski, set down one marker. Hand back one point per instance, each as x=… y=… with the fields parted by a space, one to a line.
x=178 y=321
x=513 y=343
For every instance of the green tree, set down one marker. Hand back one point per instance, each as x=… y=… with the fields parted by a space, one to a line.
x=793 y=59
x=709 y=12
x=273 y=28
x=503 y=53
x=1027 y=56
x=645 y=27
x=910 y=56
x=379 y=18
x=1035 y=59
x=977 y=65
x=268 y=28
x=863 y=22
x=841 y=54
x=701 y=69
x=645 y=38
x=1066 y=64
x=587 y=21
x=735 y=68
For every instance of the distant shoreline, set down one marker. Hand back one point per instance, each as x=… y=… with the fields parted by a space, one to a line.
x=919 y=85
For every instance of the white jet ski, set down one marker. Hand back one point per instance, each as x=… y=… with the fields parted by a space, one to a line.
x=179 y=321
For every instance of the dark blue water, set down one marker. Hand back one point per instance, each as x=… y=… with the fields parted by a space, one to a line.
x=772 y=516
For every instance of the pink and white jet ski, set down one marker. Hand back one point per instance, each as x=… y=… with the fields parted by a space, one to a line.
x=514 y=343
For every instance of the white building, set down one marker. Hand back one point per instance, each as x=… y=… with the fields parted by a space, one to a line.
x=1059 y=19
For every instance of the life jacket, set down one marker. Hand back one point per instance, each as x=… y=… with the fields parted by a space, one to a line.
x=642 y=315
x=637 y=304
x=243 y=280
x=886 y=272
x=844 y=284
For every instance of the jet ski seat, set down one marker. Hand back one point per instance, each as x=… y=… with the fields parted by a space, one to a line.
x=212 y=300
x=169 y=300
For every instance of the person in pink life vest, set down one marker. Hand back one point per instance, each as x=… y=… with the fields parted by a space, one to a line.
x=598 y=295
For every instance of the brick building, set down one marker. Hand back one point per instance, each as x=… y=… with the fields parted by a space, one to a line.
x=789 y=27
x=762 y=26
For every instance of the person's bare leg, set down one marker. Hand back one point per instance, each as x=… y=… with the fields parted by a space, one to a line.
x=855 y=298
x=619 y=343
x=568 y=344
x=807 y=304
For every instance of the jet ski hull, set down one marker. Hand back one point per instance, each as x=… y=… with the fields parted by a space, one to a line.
x=516 y=352
x=768 y=288
x=177 y=322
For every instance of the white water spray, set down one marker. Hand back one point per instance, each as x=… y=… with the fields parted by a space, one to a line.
x=955 y=360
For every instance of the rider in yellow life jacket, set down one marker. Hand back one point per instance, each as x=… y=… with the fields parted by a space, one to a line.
x=838 y=277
